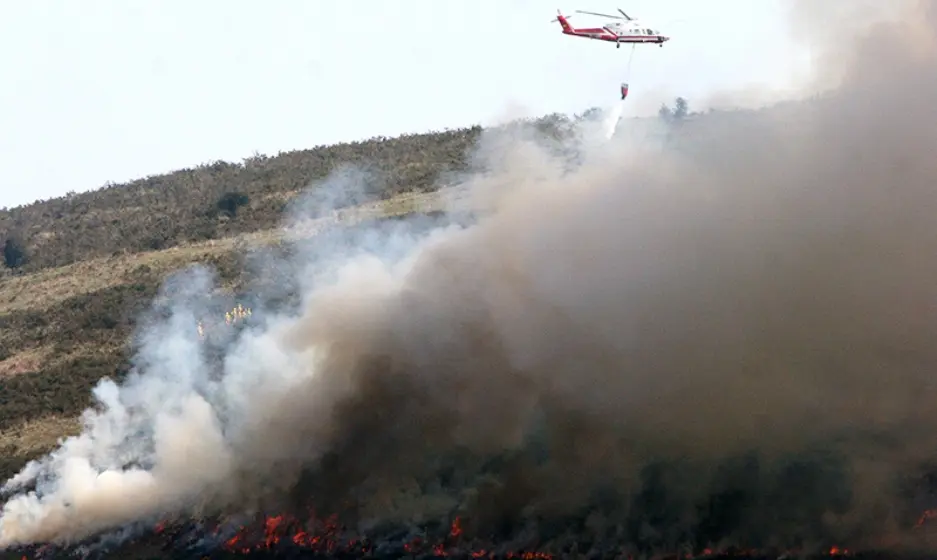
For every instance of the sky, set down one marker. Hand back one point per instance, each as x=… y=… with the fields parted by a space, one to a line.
x=103 y=91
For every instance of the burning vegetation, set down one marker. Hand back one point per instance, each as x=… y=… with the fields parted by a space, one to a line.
x=657 y=524
x=283 y=536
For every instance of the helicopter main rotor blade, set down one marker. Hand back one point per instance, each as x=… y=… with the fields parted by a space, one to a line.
x=627 y=17
x=597 y=14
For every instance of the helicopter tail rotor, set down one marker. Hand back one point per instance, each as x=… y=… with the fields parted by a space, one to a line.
x=560 y=14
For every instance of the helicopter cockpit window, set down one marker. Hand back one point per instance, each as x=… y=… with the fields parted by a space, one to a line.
x=650 y=31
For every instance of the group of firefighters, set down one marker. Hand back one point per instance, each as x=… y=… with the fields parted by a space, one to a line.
x=235 y=315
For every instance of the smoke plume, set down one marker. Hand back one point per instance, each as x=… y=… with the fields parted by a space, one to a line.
x=729 y=336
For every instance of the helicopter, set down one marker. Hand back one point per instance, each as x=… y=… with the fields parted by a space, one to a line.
x=629 y=30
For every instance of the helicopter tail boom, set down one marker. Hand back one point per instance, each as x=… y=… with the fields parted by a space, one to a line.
x=564 y=22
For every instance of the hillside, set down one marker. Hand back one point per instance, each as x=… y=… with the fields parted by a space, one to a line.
x=80 y=269
x=216 y=200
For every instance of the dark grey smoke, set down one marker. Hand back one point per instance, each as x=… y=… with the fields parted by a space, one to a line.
x=728 y=341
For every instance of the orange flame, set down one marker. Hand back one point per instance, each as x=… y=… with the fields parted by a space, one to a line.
x=927 y=514
x=326 y=537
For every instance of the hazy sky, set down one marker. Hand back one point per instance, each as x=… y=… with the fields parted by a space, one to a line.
x=111 y=90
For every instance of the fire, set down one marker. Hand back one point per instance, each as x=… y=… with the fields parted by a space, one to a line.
x=456 y=528
x=275 y=532
x=927 y=514
x=283 y=530
x=279 y=530
x=279 y=534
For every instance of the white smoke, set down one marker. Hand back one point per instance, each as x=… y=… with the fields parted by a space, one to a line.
x=155 y=442
x=177 y=432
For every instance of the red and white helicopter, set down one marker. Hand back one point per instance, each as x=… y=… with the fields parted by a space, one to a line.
x=629 y=30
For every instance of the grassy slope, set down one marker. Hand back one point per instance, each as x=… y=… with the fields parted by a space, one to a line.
x=62 y=329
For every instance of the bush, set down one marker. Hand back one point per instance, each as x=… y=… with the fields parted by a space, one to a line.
x=230 y=202
x=13 y=254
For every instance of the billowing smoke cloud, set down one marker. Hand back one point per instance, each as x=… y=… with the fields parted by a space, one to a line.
x=730 y=338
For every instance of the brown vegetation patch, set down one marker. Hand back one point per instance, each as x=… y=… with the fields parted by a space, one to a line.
x=37 y=436
x=22 y=362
